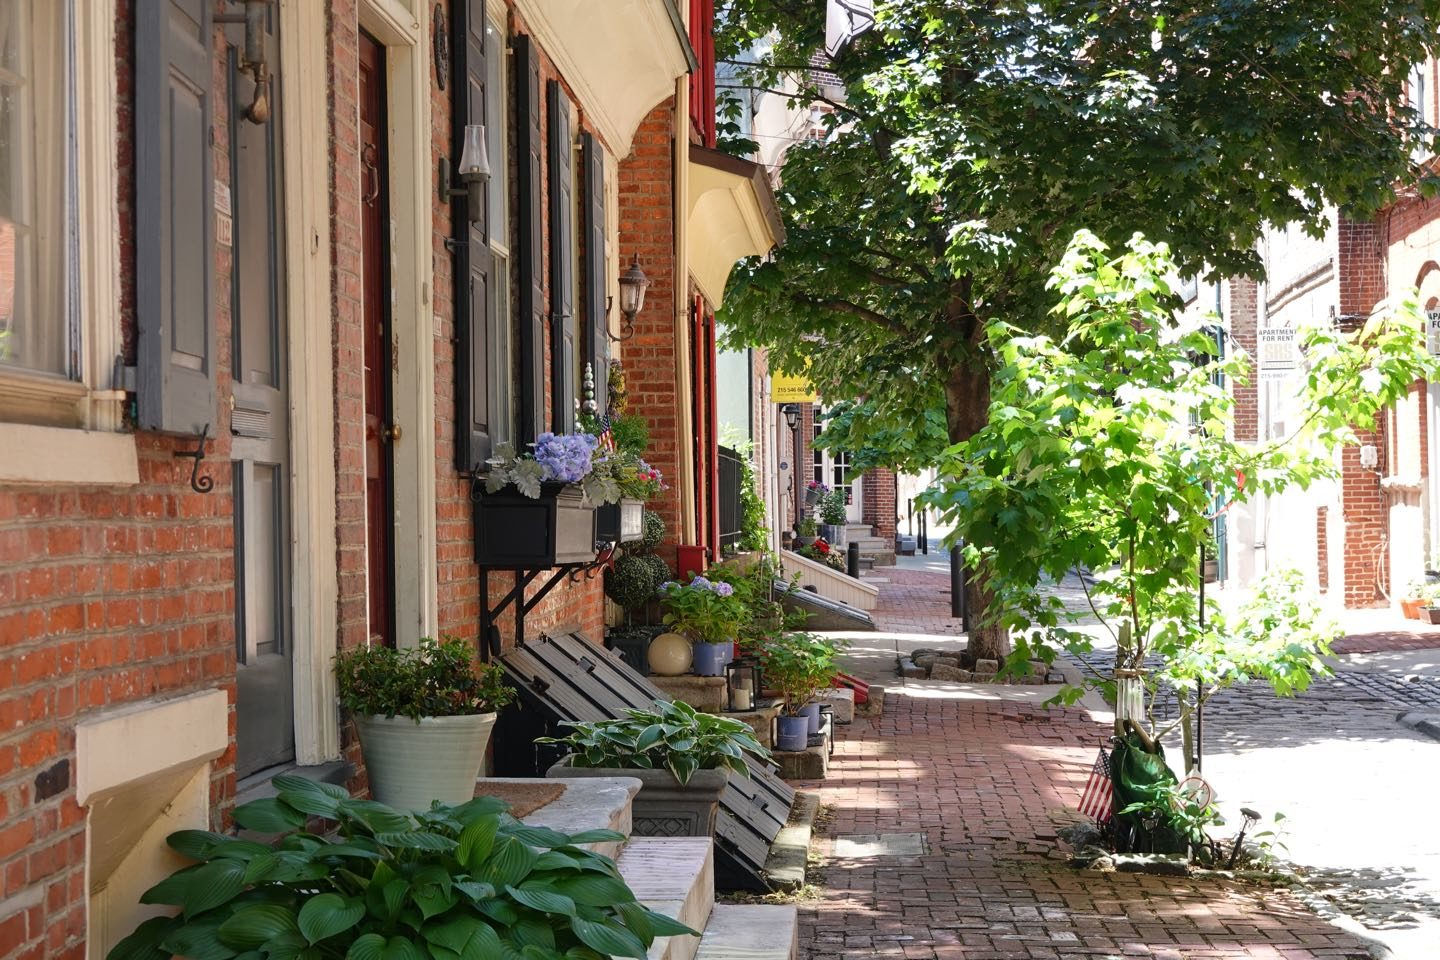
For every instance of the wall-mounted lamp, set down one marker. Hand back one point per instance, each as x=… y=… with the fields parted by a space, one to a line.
x=253 y=59
x=474 y=172
x=791 y=412
x=632 y=297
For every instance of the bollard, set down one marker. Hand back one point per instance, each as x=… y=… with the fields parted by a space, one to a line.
x=957 y=582
x=924 y=536
x=852 y=560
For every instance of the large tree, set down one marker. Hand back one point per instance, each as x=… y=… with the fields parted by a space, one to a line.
x=975 y=138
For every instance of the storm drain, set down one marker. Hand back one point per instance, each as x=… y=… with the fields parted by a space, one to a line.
x=865 y=845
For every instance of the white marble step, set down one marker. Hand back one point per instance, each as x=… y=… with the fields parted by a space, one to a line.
x=674 y=876
x=750 y=932
x=588 y=803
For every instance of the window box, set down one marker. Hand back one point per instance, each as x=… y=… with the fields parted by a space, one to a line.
x=513 y=531
x=620 y=522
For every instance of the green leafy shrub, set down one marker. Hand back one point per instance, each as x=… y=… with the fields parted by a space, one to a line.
x=658 y=567
x=800 y=666
x=433 y=679
x=453 y=883
x=705 y=611
x=832 y=507
x=632 y=581
x=654 y=530
x=669 y=736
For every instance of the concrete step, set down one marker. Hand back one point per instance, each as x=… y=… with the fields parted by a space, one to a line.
x=674 y=876
x=750 y=932
x=588 y=803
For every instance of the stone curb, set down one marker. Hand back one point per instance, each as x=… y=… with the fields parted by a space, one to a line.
x=785 y=867
x=1426 y=723
x=1332 y=914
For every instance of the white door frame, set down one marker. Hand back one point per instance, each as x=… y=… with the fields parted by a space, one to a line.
x=855 y=509
x=407 y=57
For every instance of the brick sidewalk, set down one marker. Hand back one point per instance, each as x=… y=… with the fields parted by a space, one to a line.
x=988 y=783
x=914 y=601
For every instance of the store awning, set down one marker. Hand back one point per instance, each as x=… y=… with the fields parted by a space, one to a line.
x=620 y=57
x=732 y=216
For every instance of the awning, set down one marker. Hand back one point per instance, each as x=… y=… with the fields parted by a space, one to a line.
x=732 y=216
x=620 y=57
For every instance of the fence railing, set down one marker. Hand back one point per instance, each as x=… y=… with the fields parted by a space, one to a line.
x=729 y=495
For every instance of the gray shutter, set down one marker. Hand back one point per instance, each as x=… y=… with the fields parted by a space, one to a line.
x=597 y=325
x=531 y=259
x=474 y=263
x=174 y=216
x=563 y=375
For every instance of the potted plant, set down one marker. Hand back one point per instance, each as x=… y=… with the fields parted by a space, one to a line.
x=1430 y=605
x=800 y=666
x=424 y=716
x=681 y=756
x=807 y=530
x=534 y=512
x=620 y=518
x=462 y=881
x=1412 y=598
x=822 y=552
x=832 y=516
x=709 y=613
x=814 y=490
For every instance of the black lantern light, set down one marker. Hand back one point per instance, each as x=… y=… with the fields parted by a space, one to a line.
x=742 y=684
x=633 y=284
x=791 y=412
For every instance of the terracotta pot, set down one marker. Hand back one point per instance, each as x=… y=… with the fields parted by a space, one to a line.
x=1411 y=609
x=1430 y=614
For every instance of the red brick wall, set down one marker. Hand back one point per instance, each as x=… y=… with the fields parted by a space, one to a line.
x=1244 y=319
x=1322 y=547
x=651 y=356
x=878 y=490
x=108 y=596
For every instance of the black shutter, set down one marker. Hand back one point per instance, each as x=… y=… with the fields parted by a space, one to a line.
x=174 y=216
x=597 y=320
x=531 y=259
x=474 y=263
x=562 y=262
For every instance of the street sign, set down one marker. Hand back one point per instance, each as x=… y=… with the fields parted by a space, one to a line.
x=1432 y=331
x=1278 y=353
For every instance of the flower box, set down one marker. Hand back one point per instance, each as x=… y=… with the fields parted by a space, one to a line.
x=620 y=522
x=513 y=531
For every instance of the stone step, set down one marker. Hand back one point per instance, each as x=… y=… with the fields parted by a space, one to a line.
x=674 y=876
x=750 y=932
x=588 y=803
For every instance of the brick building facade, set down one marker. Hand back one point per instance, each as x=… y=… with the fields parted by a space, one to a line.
x=291 y=296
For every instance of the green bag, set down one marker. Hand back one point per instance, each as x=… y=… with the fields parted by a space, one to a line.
x=1142 y=777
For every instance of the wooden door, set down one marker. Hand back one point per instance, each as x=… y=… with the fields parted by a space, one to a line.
x=380 y=432
x=259 y=421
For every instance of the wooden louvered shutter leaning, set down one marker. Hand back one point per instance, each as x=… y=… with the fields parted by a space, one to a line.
x=174 y=216
x=597 y=321
x=531 y=254
x=474 y=262
x=563 y=374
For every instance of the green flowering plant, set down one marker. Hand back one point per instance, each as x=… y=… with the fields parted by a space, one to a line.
x=707 y=611
x=432 y=679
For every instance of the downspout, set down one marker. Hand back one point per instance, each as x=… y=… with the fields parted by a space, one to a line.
x=685 y=422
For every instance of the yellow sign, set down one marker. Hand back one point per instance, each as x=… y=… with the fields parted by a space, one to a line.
x=788 y=388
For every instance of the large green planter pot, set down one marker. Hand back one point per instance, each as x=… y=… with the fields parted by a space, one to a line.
x=412 y=764
x=662 y=808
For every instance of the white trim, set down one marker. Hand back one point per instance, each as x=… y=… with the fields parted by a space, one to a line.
x=315 y=587
x=148 y=738
x=407 y=55
x=620 y=57
x=61 y=455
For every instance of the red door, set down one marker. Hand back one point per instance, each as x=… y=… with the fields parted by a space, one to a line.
x=380 y=434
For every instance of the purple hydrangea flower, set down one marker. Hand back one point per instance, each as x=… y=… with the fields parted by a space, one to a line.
x=565 y=458
x=701 y=583
x=723 y=589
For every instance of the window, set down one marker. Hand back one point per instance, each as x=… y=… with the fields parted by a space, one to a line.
x=502 y=374
x=38 y=233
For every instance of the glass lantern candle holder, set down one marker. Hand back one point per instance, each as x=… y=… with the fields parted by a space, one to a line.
x=742 y=685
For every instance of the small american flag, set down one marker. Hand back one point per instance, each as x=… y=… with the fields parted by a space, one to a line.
x=1098 y=799
x=606 y=437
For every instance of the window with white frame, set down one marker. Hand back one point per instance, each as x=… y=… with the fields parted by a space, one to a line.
x=501 y=352
x=39 y=332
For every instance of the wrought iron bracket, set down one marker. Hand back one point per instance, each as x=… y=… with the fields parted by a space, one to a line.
x=489 y=641
x=198 y=482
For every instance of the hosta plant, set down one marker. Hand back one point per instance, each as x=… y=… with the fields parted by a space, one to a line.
x=455 y=883
x=669 y=736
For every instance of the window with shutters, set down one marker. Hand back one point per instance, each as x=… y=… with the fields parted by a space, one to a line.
x=59 y=235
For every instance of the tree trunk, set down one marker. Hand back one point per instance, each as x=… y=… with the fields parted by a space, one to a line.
x=967 y=409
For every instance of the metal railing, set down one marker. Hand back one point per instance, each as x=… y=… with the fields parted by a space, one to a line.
x=729 y=509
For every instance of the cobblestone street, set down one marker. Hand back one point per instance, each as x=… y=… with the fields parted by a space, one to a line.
x=988 y=782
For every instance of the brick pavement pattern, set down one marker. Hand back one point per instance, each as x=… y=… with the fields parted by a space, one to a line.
x=988 y=784
x=914 y=601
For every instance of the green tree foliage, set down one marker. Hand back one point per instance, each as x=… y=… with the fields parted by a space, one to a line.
x=975 y=139
x=1108 y=448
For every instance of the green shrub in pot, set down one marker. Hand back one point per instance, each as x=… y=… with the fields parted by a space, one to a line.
x=424 y=715
x=450 y=883
x=681 y=757
x=800 y=666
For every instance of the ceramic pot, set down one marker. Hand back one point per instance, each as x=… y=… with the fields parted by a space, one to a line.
x=670 y=654
x=811 y=713
x=834 y=533
x=412 y=764
x=1430 y=614
x=662 y=808
x=709 y=659
x=792 y=733
x=803 y=541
